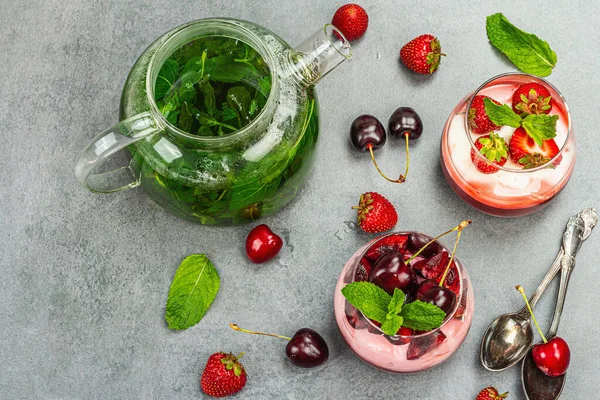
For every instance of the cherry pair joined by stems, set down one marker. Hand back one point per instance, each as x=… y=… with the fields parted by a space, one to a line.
x=368 y=134
x=305 y=349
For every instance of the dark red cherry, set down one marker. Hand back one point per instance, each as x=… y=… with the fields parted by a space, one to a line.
x=367 y=130
x=404 y=121
x=390 y=272
x=424 y=286
x=416 y=241
x=307 y=349
x=441 y=296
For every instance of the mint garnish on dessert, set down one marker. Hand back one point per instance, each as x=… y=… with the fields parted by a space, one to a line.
x=377 y=305
x=501 y=114
x=526 y=51
x=539 y=127
x=192 y=291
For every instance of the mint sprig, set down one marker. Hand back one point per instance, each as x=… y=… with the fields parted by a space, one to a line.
x=422 y=316
x=526 y=51
x=501 y=114
x=539 y=127
x=377 y=305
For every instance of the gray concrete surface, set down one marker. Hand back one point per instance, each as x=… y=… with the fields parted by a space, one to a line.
x=84 y=278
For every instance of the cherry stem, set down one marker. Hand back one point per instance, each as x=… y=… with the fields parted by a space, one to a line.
x=460 y=226
x=401 y=179
x=451 y=257
x=237 y=328
x=407 y=135
x=522 y=291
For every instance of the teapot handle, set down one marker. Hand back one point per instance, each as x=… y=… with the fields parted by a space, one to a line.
x=104 y=146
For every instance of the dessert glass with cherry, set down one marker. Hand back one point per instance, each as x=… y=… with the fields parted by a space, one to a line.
x=408 y=351
x=519 y=175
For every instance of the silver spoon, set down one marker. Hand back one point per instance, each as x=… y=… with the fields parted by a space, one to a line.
x=536 y=385
x=509 y=337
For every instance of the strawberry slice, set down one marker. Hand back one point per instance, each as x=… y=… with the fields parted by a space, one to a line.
x=524 y=151
x=402 y=337
x=389 y=243
x=494 y=150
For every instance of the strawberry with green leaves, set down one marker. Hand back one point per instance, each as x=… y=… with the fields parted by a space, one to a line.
x=494 y=149
x=422 y=54
x=531 y=98
x=223 y=375
x=375 y=213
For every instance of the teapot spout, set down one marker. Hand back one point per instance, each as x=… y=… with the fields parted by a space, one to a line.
x=319 y=54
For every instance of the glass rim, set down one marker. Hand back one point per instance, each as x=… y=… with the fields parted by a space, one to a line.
x=459 y=268
x=518 y=170
x=164 y=51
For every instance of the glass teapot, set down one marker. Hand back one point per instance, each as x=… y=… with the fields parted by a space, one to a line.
x=219 y=118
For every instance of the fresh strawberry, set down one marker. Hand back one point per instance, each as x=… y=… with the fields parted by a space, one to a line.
x=479 y=122
x=491 y=393
x=387 y=244
x=422 y=54
x=524 y=151
x=223 y=375
x=375 y=213
x=494 y=150
x=352 y=20
x=531 y=98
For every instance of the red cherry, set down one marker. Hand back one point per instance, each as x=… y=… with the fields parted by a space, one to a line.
x=262 y=244
x=552 y=357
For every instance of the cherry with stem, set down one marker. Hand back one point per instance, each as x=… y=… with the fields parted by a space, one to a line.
x=305 y=349
x=553 y=356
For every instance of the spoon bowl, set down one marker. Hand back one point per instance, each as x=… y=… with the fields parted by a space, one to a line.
x=538 y=386
x=506 y=341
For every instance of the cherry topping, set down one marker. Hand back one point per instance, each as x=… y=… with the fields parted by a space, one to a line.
x=390 y=272
x=441 y=296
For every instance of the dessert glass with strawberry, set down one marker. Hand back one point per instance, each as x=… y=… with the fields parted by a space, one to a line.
x=420 y=293
x=508 y=148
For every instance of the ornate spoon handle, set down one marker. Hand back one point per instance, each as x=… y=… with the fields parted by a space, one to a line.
x=578 y=229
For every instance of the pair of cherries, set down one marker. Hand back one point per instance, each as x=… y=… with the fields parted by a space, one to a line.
x=368 y=134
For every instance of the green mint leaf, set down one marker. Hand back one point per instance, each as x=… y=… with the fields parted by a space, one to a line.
x=501 y=114
x=369 y=298
x=391 y=325
x=422 y=316
x=526 y=51
x=194 y=287
x=395 y=305
x=540 y=127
